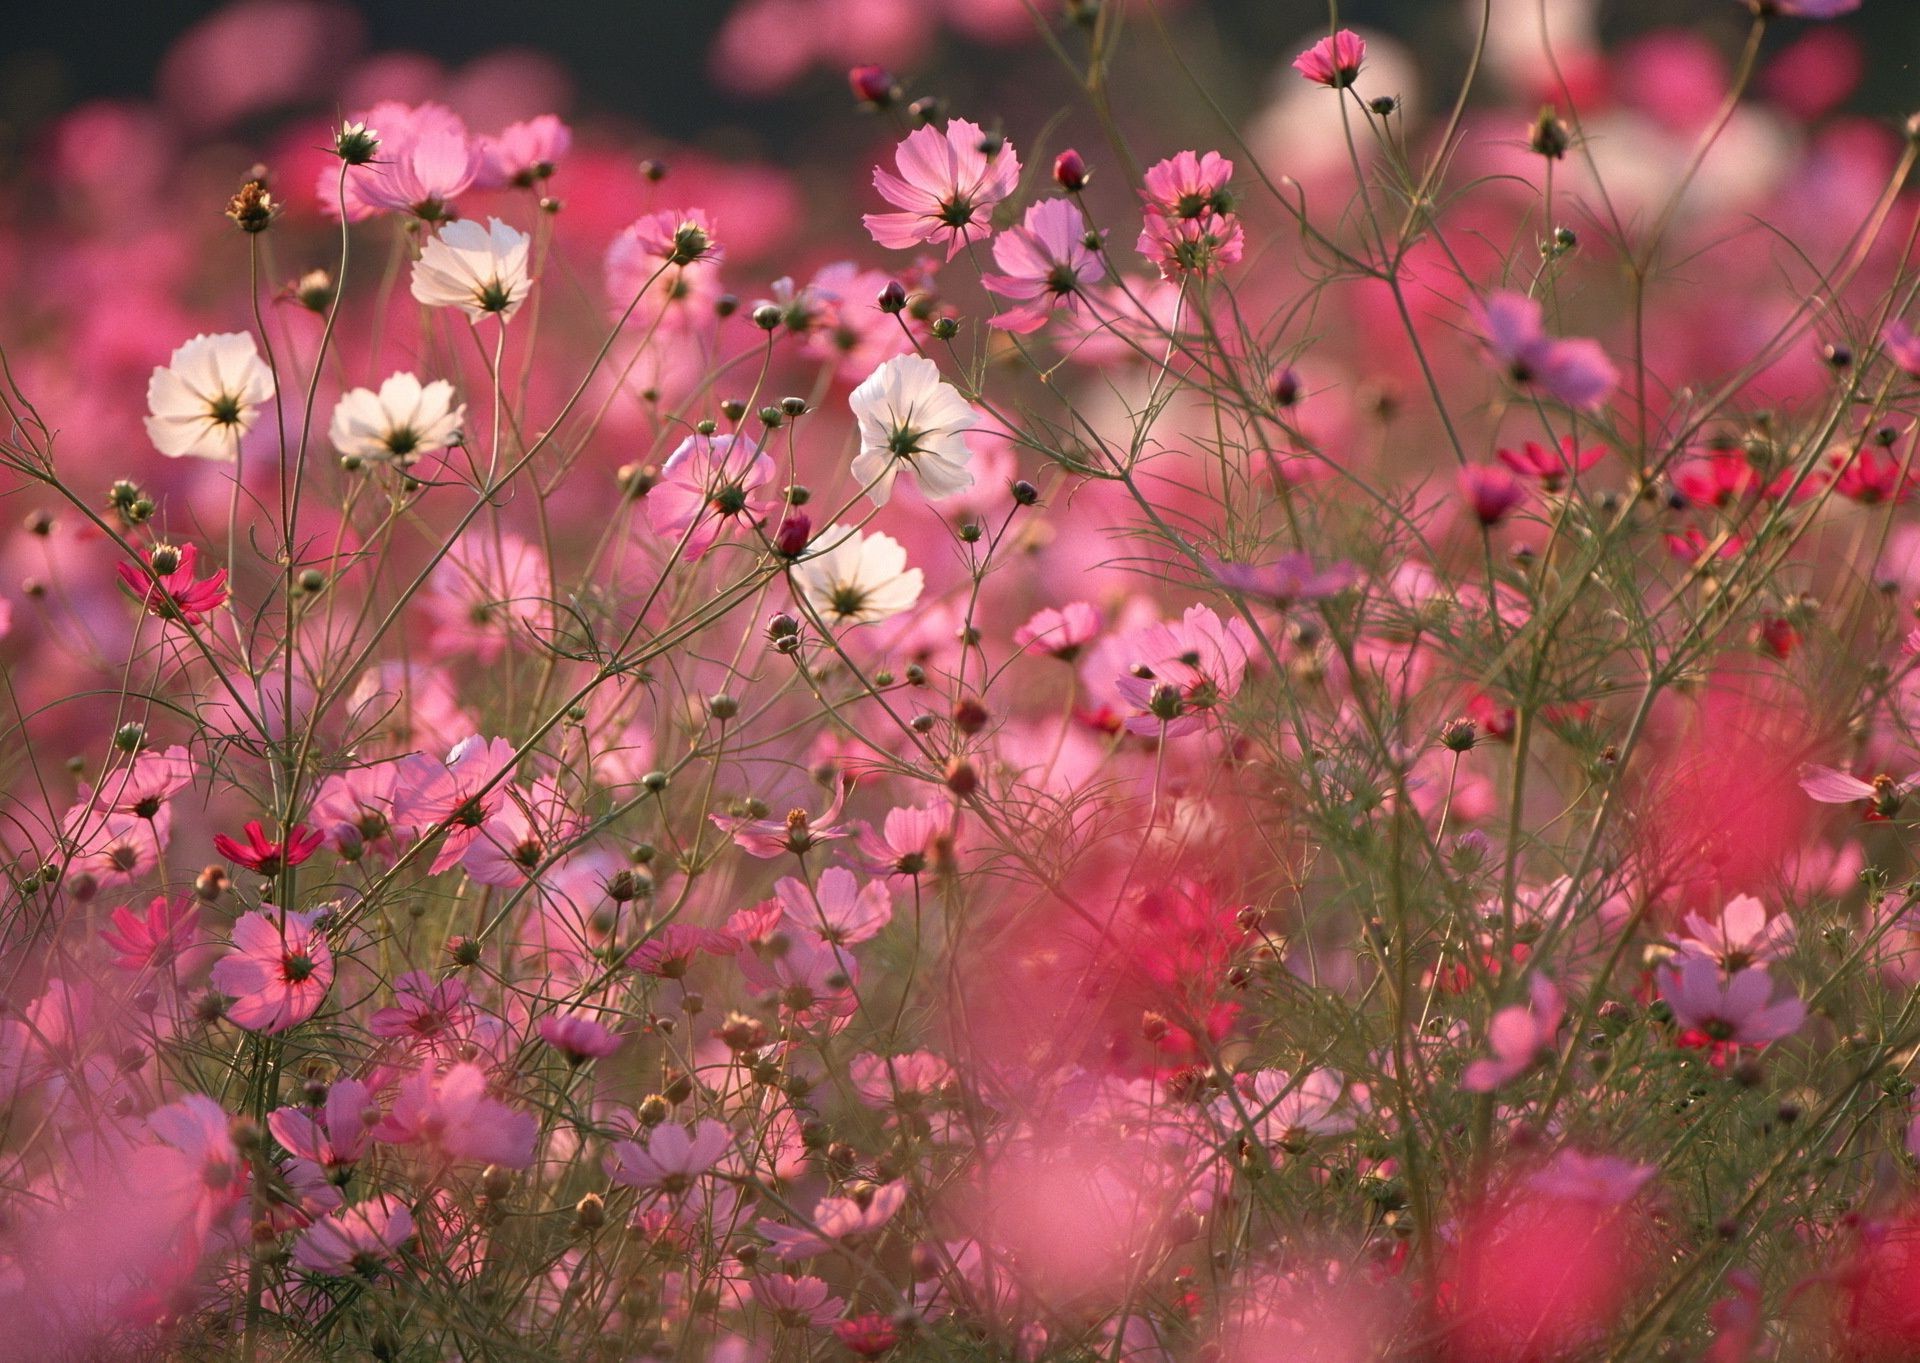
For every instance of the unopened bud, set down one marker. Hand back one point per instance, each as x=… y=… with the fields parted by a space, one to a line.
x=1070 y=171
x=873 y=86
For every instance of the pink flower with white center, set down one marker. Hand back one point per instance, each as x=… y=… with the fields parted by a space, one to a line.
x=834 y=1219
x=1189 y=185
x=279 y=971
x=1883 y=795
x=1287 y=581
x=452 y=1115
x=1281 y=1110
x=837 y=909
x=709 y=485
x=489 y=591
x=146 y=783
x=1060 y=633
x=798 y=1302
x=460 y=794
x=1334 y=61
x=154 y=939
x=578 y=1038
x=909 y=841
x=1741 y=936
x=1735 y=1010
x=1180 y=672
x=1552 y=468
x=361 y=1239
x=907 y=1081
x=425 y=1010
x=669 y=1158
x=672 y=238
x=1603 y=1180
x=1191 y=246
x=328 y=1144
x=1518 y=1037
x=523 y=154
x=1903 y=348
x=355 y=810
x=425 y=161
x=947 y=186
x=1048 y=265
x=1513 y=326
x=798 y=833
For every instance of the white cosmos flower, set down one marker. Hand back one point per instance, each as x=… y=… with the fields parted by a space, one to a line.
x=480 y=270
x=207 y=397
x=909 y=417
x=403 y=421
x=855 y=579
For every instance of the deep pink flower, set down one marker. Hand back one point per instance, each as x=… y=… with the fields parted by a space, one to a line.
x=669 y=953
x=671 y=238
x=1491 y=491
x=355 y=808
x=1191 y=246
x=155 y=938
x=1189 y=185
x=578 y=1038
x=1734 y=1010
x=1048 y=265
x=1551 y=468
x=1512 y=325
x=279 y=971
x=1333 y=61
x=176 y=596
x=1721 y=479
x=1870 y=476
x=947 y=186
x=360 y=1239
x=259 y=853
x=1518 y=1037
x=1903 y=348
x=709 y=484
x=146 y=783
x=452 y=1115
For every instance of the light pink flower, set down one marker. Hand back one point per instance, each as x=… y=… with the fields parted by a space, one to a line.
x=1280 y=1108
x=902 y=1081
x=424 y=1009
x=669 y=1158
x=1741 y=936
x=681 y=237
x=1603 y=1180
x=1737 y=1010
x=452 y=1115
x=1060 y=633
x=279 y=971
x=361 y=1239
x=328 y=1144
x=460 y=793
x=578 y=1038
x=834 y=1219
x=798 y=1301
x=1180 y=672
x=797 y=833
x=1903 y=348
x=837 y=908
x=1289 y=579
x=1047 y=264
x=709 y=484
x=1189 y=185
x=1518 y=1037
x=947 y=185
x=524 y=153
x=908 y=840
x=1512 y=325
x=424 y=162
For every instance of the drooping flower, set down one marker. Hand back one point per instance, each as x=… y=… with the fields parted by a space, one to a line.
x=709 y=484
x=849 y=578
x=177 y=595
x=1334 y=61
x=1722 y=1009
x=279 y=971
x=360 y=1239
x=672 y=238
x=670 y=1157
x=1518 y=1037
x=403 y=421
x=910 y=418
x=480 y=270
x=262 y=854
x=1048 y=264
x=524 y=154
x=947 y=185
x=1576 y=371
x=207 y=396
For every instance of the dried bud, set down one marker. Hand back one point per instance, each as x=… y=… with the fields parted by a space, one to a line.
x=637 y=480
x=464 y=951
x=1550 y=137
x=1459 y=735
x=589 y=1213
x=742 y=1033
x=1024 y=493
x=653 y=1110
x=1070 y=171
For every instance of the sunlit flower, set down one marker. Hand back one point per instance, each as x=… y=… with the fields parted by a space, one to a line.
x=1333 y=61
x=361 y=1239
x=670 y=1157
x=910 y=418
x=1513 y=326
x=1737 y=1009
x=178 y=595
x=947 y=187
x=524 y=154
x=279 y=971
x=1047 y=262
x=480 y=270
x=207 y=396
x=404 y=420
x=849 y=578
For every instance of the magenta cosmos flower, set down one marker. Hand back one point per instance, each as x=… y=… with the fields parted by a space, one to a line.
x=1333 y=61
x=523 y=154
x=1048 y=263
x=1737 y=1010
x=671 y=1157
x=946 y=189
x=279 y=971
x=579 y=1039
x=260 y=853
x=177 y=595
x=1577 y=372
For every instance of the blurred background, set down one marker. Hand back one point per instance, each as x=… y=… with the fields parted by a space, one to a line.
x=758 y=77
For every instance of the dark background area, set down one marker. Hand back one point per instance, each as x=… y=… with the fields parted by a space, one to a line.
x=647 y=59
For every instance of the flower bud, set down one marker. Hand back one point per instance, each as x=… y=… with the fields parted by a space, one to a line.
x=794 y=534
x=873 y=86
x=1549 y=137
x=252 y=207
x=1459 y=735
x=355 y=143
x=893 y=298
x=1070 y=171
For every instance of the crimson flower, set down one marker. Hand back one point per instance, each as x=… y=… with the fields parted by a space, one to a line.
x=266 y=857
x=176 y=596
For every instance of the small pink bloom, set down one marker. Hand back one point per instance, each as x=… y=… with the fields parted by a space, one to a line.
x=329 y=1144
x=1736 y=1010
x=362 y=1239
x=452 y=1115
x=524 y=154
x=797 y=833
x=834 y=1219
x=1491 y=491
x=669 y=1158
x=669 y=953
x=1551 y=468
x=1060 y=633
x=424 y=1009
x=1287 y=580
x=837 y=908
x=279 y=971
x=1048 y=265
x=1333 y=61
x=176 y=596
x=1577 y=372
x=579 y=1039
x=1191 y=246
x=153 y=939
x=1189 y=185
x=1903 y=348
x=1518 y=1036
x=708 y=485
x=798 y=1302
x=1179 y=672
x=908 y=841
x=672 y=238
x=947 y=186
x=261 y=854
x=1742 y=936
x=425 y=161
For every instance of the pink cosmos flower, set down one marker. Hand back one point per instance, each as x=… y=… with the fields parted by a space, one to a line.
x=799 y=832
x=1903 y=348
x=1491 y=491
x=669 y=953
x=709 y=484
x=669 y=1158
x=947 y=186
x=1048 y=265
x=355 y=809
x=146 y=783
x=1191 y=246
x=279 y=971
x=837 y=909
x=812 y=981
x=1551 y=468
x=1602 y=1180
x=899 y=1081
x=1721 y=1009
x=1869 y=476
x=523 y=154
x=191 y=1169
x=1189 y=185
x=490 y=590
x=1883 y=795
x=461 y=793
x=579 y=1039
x=671 y=238
x=798 y=1302
x=908 y=840
x=424 y=162
x=425 y=1009
x=153 y=939
x=1741 y=936
x=361 y=1239
x=1281 y=1109
x=1333 y=61
x=834 y=1219
x=1721 y=479
x=326 y=1145
x=1577 y=372
x=1287 y=580
x=177 y=595
x=115 y=849
x=1518 y=1036
x=1179 y=672
x=1060 y=633
x=452 y=1115
x=261 y=854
